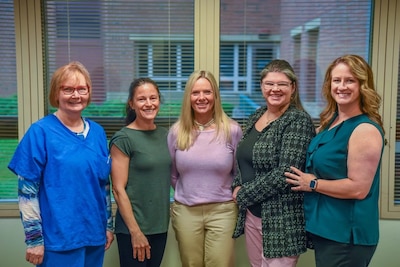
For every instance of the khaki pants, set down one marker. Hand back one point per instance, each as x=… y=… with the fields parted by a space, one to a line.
x=204 y=233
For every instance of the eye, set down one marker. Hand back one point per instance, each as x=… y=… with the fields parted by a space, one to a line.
x=283 y=85
x=68 y=90
x=82 y=90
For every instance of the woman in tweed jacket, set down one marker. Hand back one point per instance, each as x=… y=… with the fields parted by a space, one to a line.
x=275 y=137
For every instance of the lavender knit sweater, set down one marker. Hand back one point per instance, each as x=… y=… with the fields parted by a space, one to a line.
x=204 y=173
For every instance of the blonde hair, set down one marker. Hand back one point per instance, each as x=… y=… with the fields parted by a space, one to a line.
x=62 y=74
x=184 y=127
x=370 y=100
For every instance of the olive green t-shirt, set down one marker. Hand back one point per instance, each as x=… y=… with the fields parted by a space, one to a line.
x=148 y=185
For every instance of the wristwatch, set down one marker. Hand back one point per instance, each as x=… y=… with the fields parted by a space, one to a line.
x=313 y=184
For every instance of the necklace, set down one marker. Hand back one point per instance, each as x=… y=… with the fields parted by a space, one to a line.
x=268 y=121
x=203 y=126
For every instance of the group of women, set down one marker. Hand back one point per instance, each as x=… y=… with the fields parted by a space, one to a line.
x=278 y=180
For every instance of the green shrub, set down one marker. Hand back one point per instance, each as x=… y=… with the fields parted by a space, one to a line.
x=110 y=108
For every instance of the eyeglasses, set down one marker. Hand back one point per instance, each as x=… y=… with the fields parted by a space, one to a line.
x=280 y=85
x=71 y=90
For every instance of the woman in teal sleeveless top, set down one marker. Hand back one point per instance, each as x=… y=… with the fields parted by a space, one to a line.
x=343 y=168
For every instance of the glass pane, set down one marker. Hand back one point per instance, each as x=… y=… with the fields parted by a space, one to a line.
x=8 y=100
x=119 y=41
x=308 y=34
x=397 y=155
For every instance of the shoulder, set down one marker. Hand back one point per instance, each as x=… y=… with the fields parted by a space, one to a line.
x=295 y=116
x=121 y=134
x=259 y=111
x=363 y=124
x=94 y=125
x=161 y=129
x=366 y=130
x=365 y=138
x=173 y=130
x=42 y=124
x=297 y=113
x=234 y=125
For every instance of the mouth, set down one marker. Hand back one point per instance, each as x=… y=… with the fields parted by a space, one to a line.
x=343 y=95
x=149 y=111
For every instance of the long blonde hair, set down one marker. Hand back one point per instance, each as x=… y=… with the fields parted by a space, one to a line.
x=184 y=127
x=370 y=100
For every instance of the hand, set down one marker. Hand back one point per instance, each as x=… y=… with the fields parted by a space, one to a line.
x=234 y=193
x=110 y=239
x=35 y=255
x=299 y=180
x=141 y=247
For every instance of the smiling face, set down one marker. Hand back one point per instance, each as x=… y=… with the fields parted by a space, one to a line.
x=277 y=90
x=145 y=102
x=75 y=102
x=202 y=99
x=345 y=88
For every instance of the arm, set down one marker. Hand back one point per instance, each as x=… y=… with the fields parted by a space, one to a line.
x=119 y=175
x=110 y=221
x=236 y=178
x=31 y=220
x=364 y=153
x=171 y=139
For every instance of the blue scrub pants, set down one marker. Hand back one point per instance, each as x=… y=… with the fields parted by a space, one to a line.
x=81 y=257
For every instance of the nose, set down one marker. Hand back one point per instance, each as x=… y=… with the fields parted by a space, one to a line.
x=202 y=95
x=275 y=87
x=342 y=84
x=75 y=93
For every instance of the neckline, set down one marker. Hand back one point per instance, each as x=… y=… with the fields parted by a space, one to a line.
x=66 y=126
x=84 y=128
x=203 y=126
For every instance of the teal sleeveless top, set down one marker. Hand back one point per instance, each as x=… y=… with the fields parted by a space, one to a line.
x=341 y=220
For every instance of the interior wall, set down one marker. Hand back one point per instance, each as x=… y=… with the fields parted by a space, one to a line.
x=12 y=252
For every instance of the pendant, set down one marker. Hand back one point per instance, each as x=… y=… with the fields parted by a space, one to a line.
x=201 y=127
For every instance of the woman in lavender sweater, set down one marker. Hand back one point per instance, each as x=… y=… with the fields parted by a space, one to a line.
x=202 y=144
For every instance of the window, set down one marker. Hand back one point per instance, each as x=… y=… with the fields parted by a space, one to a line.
x=168 y=62
x=386 y=68
x=119 y=41
x=8 y=100
x=308 y=34
x=123 y=39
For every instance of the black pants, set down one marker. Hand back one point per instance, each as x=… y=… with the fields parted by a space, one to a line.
x=157 y=243
x=330 y=253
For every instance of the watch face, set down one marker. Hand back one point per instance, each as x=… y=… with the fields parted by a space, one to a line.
x=313 y=184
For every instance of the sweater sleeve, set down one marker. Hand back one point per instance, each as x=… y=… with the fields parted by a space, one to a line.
x=30 y=211
x=110 y=218
x=171 y=139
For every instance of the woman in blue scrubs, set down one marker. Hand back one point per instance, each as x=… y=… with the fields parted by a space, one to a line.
x=63 y=167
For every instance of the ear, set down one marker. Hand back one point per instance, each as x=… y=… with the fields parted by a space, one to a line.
x=294 y=88
x=131 y=105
